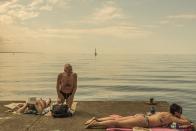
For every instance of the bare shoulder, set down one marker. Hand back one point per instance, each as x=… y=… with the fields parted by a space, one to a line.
x=75 y=75
x=60 y=75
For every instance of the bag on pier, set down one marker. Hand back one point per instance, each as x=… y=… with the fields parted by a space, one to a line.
x=60 y=111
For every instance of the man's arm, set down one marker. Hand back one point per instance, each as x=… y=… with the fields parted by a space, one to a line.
x=74 y=84
x=58 y=85
x=70 y=99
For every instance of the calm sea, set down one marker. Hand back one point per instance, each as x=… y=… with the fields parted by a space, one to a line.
x=169 y=78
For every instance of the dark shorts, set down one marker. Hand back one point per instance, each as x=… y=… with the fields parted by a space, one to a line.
x=65 y=95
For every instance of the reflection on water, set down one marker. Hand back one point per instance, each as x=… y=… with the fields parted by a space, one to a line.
x=105 y=77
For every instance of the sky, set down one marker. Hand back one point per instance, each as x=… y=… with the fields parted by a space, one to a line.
x=110 y=26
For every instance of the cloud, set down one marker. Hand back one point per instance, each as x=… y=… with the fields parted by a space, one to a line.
x=107 y=13
x=26 y=35
x=51 y=4
x=105 y=22
x=35 y=3
x=109 y=20
x=22 y=15
x=175 y=19
x=183 y=16
x=46 y=7
x=14 y=11
x=5 y=19
x=5 y=5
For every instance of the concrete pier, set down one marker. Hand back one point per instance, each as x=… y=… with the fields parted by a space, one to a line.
x=84 y=111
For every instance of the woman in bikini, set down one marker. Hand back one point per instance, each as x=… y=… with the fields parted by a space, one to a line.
x=66 y=86
x=159 y=119
x=35 y=106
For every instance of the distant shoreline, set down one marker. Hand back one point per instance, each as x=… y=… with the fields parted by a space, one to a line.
x=11 y=52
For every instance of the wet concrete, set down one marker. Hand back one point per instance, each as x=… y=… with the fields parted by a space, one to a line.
x=84 y=111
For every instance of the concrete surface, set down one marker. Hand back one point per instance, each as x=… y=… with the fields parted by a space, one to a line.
x=84 y=111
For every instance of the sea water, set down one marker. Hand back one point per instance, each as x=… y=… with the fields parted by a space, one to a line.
x=105 y=77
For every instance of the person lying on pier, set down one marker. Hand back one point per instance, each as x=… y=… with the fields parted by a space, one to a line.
x=66 y=86
x=159 y=119
x=33 y=106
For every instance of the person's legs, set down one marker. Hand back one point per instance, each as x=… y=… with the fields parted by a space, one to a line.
x=127 y=123
x=18 y=106
x=69 y=100
x=90 y=120
x=124 y=118
x=111 y=117
x=45 y=103
x=106 y=118
x=48 y=102
x=101 y=119
x=22 y=109
x=60 y=99
x=114 y=117
x=102 y=124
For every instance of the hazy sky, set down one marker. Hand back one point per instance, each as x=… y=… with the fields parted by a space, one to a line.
x=111 y=26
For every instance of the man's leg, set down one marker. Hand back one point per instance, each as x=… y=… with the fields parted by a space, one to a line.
x=69 y=101
x=60 y=99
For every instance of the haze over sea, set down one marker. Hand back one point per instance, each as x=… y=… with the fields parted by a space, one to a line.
x=106 y=77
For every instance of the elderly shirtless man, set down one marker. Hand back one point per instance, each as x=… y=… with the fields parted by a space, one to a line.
x=159 y=119
x=66 y=86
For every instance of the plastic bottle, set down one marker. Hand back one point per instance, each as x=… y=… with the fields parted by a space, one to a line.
x=173 y=125
x=152 y=110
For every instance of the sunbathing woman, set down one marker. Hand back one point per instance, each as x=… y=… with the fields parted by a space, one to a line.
x=159 y=119
x=35 y=106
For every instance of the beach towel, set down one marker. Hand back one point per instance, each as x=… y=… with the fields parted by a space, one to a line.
x=119 y=129
x=169 y=129
x=11 y=107
x=73 y=109
x=147 y=129
x=127 y=129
